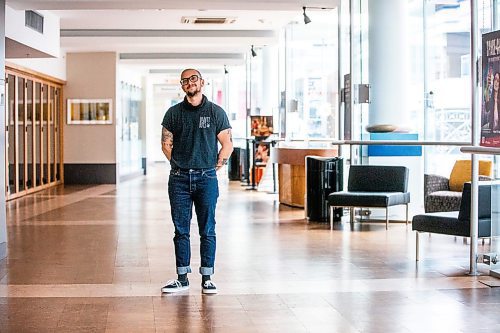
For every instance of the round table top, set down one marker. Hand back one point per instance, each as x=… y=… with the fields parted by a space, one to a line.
x=296 y=156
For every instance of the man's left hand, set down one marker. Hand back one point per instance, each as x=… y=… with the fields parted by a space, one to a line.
x=220 y=163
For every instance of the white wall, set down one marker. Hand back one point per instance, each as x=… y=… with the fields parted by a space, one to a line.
x=90 y=76
x=55 y=67
x=48 y=42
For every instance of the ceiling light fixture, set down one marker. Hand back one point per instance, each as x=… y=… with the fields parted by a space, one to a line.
x=225 y=70
x=306 y=18
x=254 y=54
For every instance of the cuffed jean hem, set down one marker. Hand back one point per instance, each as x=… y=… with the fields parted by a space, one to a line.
x=206 y=270
x=183 y=270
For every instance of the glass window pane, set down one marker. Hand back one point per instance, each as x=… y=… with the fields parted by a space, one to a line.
x=52 y=136
x=45 y=132
x=11 y=136
x=447 y=109
x=38 y=134
x=57 y=138
x=20 y=130
x=312 y=87
x=29 y=134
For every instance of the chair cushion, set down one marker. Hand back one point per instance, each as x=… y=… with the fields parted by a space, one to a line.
x=443 y=201
x=439 y=222
x=367 y=199
x=461 y=173
x=448 y=223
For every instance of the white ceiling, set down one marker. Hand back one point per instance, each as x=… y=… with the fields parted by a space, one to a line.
x=261 y=5
x=154 y=27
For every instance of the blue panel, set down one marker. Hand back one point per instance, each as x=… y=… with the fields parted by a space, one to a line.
x=394 y=150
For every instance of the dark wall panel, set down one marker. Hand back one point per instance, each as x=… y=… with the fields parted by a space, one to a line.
x=90 y=173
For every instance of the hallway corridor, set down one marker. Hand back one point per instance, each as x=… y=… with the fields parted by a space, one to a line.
x=93 y=259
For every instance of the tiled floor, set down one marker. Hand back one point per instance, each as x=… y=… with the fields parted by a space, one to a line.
x=93 y=259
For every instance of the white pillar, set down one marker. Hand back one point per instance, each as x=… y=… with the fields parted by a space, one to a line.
x=388 y=64
x=3 y=223
x=269 y=80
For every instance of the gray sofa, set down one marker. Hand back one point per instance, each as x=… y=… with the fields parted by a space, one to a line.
x=373 y=186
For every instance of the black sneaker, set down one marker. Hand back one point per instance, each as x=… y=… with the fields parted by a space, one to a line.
x=174 y=286
x=208 y=287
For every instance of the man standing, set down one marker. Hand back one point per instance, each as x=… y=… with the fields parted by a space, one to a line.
x=191 y=130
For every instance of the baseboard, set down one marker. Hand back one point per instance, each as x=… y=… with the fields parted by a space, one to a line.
x=90 y=173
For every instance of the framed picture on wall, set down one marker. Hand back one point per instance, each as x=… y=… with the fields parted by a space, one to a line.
x=261 y=127
x=89 y=111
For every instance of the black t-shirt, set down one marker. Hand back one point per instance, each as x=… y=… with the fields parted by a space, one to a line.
x=195 y=130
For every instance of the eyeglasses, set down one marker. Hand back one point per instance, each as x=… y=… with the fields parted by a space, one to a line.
x=192 y=78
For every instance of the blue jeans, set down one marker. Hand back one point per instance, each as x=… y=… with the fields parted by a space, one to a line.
x=185 y=188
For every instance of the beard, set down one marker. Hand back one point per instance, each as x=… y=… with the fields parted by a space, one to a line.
x=194 y=92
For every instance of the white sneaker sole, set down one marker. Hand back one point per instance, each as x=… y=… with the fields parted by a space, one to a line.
x=209 y=291
x=173 y=290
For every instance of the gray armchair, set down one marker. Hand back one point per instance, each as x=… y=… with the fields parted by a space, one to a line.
x=437 y=194
x=443 y=194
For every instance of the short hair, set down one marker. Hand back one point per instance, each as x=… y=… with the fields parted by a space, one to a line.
x=191 y=69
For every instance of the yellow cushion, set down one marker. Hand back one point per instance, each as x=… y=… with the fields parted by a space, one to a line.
x=461 y=173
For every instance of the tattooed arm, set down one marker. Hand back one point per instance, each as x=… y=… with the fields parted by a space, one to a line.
x=226 y=140
x=167 y=142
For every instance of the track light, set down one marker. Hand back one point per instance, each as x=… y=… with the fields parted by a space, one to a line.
x=254 y=54
x=306 y=18
x=225 y=70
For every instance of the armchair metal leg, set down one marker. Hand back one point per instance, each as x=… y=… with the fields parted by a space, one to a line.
x=331 y=217
x=406 y=213
x=351 y=211
x=417 y=246
x=386 y=218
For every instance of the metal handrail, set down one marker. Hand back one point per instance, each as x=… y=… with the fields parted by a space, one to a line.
x=480 y=150
x=404 y=143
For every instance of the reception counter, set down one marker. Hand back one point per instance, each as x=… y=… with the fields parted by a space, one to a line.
x=291 y=171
